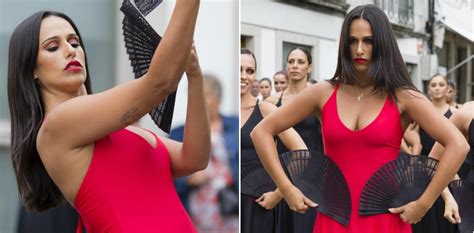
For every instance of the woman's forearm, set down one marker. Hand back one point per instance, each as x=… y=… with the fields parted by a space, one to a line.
x=292 y=140
x=416 y=149
x=170 y=58
x=196 y=142
x=266 y=150
x=446 y=194
x=450 y=161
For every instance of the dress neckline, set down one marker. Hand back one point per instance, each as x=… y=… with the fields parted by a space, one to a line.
x=365 y=127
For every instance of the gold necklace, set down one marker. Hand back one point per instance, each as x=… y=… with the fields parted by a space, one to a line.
x=361 y=96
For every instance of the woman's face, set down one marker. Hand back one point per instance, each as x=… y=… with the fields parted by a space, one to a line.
x=361 y=44
x=280 y=82
x=265 y=88
x=247 y=73
x=438 y=88
x=60 y=65
x=451 y=94
x=297 y=65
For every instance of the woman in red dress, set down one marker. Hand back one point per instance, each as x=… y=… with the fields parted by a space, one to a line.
x=364 y=110
x=69 y=144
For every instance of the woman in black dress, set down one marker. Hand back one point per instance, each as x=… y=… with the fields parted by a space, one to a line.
x=258 y=215
x=434 y=221
x=463 y=119
x=298 y=66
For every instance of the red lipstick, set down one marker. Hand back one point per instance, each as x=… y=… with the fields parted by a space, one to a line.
x=360 y=60
x=73 y=66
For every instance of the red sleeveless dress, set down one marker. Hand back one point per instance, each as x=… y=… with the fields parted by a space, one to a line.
x=359 y=154
x=129 y=188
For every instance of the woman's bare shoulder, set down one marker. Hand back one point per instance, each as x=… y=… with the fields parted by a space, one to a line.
x=266 y=108
x=322 y=91
x=468 y=108
x=403 y=93
x=273 y=99
x=324 y=85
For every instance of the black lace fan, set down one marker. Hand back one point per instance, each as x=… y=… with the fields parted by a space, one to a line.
x=255 y=180
x=321 y=180
x=146 y=6
x=463 y=192
x=397 y=183
x=140 y=42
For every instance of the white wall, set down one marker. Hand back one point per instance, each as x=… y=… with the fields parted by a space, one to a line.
x=271 y=23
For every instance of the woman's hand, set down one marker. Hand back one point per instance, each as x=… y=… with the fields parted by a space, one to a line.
x=411 y=213
x=193 y=68
x=296 y=200
x=269 y=200
x=451 y=210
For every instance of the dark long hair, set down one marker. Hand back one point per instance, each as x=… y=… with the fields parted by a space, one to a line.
x=37 y=190
x=387 y=68
x=305 y=51
x=248 y=52
x=308 y=57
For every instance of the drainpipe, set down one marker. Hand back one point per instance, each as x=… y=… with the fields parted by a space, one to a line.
x=429 y=25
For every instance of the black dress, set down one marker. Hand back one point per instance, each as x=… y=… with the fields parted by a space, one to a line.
x=433 y=221
x=289 y=221
x=426 y=141
x=470 y=155
x=466 y=172
x=310 y=131
x=254 y=218
x=60 y=219
x=470 y=162
x=464 y=195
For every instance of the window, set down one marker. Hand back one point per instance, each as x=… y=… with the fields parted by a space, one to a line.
x=246 y=42
x=399 y=12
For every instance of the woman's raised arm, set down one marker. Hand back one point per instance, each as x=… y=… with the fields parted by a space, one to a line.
x=193 y=153
x=83 y=120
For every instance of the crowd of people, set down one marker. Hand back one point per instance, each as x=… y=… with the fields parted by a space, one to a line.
x=265 y=87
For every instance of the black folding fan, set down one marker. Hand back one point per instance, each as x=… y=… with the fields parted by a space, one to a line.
x=321 y=180
x=140 y=42
x=463 y=192
x=397 y=183
x=255 y=180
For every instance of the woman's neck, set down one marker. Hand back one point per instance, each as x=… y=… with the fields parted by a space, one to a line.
x=440 y=103
x=452 y=103
x=363 y=81
x=247 y=100
x=52 y=99
x=296 y=86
